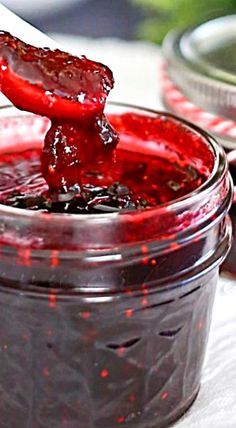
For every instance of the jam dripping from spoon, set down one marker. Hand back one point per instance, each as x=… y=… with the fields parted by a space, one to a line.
x=71 y=91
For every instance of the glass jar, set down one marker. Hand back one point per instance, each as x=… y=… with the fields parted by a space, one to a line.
x=105 y=318
x=199 y=84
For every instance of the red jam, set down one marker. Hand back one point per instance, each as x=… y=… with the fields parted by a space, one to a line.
x=103 y=323
x=161 y=172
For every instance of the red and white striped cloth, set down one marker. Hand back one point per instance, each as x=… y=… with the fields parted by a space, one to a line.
x=179 y=104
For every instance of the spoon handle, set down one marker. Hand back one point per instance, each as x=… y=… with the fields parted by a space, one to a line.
x=23 y=30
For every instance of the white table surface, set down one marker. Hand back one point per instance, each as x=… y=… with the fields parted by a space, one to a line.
x=136 y=67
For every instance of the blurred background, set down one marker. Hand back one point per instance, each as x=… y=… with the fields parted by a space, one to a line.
x=126 y=19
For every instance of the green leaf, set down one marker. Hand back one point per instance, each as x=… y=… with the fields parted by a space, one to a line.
x=156 y=4
x=169 y=14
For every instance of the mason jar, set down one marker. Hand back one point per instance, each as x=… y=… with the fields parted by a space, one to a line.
x=199 y=84
x=105 y=318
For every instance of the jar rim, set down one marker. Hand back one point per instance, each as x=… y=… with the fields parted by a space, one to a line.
x=204 y=82
x=205 y=187
x=113 y=220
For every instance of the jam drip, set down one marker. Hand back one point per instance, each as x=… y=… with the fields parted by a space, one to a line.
x=78 y=153
x=71 y=91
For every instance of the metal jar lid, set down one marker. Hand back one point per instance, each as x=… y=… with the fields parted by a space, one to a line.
x=202 y=62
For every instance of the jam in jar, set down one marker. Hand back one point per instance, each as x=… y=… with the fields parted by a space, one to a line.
x=113 y=227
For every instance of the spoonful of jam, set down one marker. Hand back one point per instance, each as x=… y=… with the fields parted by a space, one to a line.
x=71 y=91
